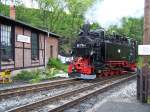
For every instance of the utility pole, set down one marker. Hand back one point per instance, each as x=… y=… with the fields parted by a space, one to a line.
x=146 y=41
x=1 y=5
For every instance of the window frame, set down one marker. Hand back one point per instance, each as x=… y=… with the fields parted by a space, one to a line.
x=51 y=51
x=33 y=57
x=11 y=37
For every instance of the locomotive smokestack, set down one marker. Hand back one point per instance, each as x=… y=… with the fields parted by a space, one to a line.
x=86 y=29
x=12 y=12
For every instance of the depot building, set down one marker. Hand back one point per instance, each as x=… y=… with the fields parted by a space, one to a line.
x=23 y=46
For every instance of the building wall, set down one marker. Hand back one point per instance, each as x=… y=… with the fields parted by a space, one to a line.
x=22 y=51
x=50 y=41
x=18 y=48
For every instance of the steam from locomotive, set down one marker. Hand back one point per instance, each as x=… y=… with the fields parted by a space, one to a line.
x=97 y=54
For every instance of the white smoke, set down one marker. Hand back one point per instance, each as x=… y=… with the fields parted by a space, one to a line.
x=110 y=12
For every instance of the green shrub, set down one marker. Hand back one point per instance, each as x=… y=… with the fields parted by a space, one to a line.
x=36 y=72
x=36 y=80
x=24 y=75
x=27 y=76
x=48 y=73
x=54 y=63
x=65 y=68
x=51 y=72
x=140 y=62
x=53 y=67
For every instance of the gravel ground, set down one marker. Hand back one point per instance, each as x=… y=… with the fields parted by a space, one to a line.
x=20 y=100
x=23 y=83
x=62 y=101
x=125 y=93
x=12 y=85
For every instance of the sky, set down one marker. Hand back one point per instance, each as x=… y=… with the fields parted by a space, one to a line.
x=107 y=12
x=110 y=12
x=28 y=3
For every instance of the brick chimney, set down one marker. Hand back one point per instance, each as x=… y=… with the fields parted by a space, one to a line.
x=12 y=12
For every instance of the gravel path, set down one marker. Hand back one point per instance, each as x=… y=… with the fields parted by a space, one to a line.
x=125 y=92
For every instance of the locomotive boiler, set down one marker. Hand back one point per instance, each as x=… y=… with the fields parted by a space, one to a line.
x=96 y=54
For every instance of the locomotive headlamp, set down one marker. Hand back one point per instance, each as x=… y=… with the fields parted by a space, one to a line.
x=81 y=45
x=119 y=51
x=92 y=52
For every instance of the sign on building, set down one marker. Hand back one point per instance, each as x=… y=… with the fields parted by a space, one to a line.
x=144 y=50
x=23 y=38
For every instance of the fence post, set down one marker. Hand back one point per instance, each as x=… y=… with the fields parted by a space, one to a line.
x=139 y=73
x=144 y=84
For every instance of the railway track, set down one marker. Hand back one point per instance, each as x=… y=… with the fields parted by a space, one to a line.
x=18 y=91
x=63 y=101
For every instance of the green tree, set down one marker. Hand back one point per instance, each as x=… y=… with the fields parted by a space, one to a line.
x=94 y=26
x=4 y=9
x=131 y=27
x=64 y=17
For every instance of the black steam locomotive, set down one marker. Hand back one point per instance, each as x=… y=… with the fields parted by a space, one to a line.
x=97 y=54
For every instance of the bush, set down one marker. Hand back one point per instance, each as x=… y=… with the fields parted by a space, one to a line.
x=140 y=62
x=53 y=67
x=24 y=75
x=51 y=72
x=36 y=80
x=56 y=63
x=65 y=68
x=27 y=76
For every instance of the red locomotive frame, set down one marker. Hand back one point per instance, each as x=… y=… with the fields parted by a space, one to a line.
x=83 y=66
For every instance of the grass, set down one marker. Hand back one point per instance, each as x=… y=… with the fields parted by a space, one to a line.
x=148 y=100
x=140 y=62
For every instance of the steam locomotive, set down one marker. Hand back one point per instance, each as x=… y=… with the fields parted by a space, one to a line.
x=96 y=54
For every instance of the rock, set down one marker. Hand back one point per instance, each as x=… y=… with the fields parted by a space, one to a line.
x=72 y=110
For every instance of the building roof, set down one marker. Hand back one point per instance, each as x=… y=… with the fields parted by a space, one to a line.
x=12 y=21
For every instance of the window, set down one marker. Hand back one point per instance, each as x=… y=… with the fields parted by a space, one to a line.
x=51 y=51
x=6 y=43
x=34 y=46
